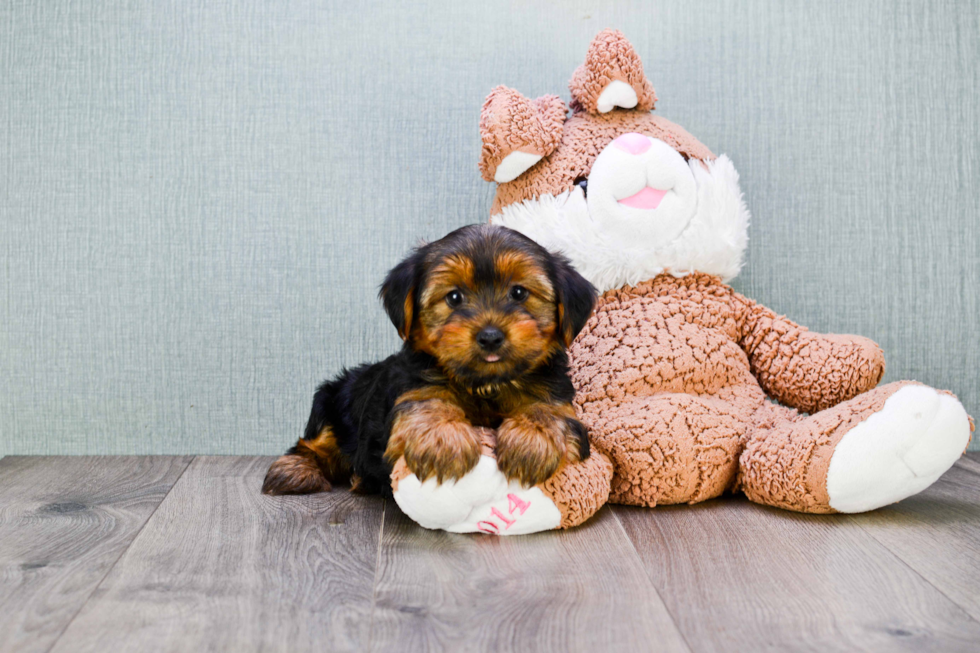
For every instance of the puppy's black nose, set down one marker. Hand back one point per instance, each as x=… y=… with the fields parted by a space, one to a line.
x=490 y=338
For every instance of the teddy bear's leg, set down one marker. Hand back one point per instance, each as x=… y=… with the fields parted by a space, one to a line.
x=669 y=448
x=875 y=449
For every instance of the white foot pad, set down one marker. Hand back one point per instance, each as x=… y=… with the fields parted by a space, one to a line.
x=899 y=451
x=482 y=501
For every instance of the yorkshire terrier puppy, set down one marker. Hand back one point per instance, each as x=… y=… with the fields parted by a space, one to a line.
x=486 y=315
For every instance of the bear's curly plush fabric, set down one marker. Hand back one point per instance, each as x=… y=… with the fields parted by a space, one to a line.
x=805 y=370
x=580 y=490
x=509 y=122
x=787 y=455
x=690 y=388
x=610 y=58
x=669 y=384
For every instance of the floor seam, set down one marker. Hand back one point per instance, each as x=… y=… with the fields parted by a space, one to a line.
x=377 y=571
x=915 y=571
x=120 y=556
x=972 y=466
x=653 y=585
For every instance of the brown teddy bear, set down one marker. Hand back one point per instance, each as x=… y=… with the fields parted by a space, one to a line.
x=675 y=368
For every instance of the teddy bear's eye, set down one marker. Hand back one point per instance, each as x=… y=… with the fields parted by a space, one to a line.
x=583 y=183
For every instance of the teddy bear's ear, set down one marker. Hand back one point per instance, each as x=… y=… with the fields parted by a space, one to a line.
x=517 y=132
x=612 y=76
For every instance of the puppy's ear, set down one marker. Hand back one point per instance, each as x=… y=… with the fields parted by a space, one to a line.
x=576 y=299
x=398 y=292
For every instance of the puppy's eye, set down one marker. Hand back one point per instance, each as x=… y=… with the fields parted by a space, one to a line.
x=518 y=293
x=454 y=298
x=583 y=183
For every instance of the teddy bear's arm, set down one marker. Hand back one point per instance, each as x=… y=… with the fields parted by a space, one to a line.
x=802 y=369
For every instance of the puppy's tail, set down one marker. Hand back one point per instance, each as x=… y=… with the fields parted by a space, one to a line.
x=316 y=461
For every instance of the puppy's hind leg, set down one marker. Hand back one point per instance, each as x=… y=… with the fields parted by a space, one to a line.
x=316 y=461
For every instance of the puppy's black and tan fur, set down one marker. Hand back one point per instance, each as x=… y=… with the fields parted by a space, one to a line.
x=486 y=315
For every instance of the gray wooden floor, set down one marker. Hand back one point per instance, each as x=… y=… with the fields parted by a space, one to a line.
x=184 y=554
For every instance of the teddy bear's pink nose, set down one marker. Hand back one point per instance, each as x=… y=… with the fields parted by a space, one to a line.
x=633 y=143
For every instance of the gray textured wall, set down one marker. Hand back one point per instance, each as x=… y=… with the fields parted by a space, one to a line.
x=199 y=198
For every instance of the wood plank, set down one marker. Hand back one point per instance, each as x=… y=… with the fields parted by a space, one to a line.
x=738 y=576
x=937 y=533
x=222 y=567
x=578 y=590
x=64 y=522
x=970 y=460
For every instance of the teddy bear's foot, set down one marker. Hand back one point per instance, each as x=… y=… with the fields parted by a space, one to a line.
x=483 y=500
x=875 y=449
x=898 y=451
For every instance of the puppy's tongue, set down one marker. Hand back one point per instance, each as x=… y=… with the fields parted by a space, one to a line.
x=492 y=358
x=648 y=198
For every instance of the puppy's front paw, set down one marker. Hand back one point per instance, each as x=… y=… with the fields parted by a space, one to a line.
x=436 y=440
x=533 y=445
x=446 y=452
